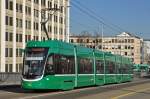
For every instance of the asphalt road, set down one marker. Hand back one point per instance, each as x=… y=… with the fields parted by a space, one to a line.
x=132 y=90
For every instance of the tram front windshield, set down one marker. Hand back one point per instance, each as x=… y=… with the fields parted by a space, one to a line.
x=34 y=61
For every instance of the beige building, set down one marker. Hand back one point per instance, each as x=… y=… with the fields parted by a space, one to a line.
x=20 y=22
x=123 y=44
x=146 y=51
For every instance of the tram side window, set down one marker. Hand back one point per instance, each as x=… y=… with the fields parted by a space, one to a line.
x=127 y=68
x=64 y=64
x=49 y=69
x=130 y=68
x=117 y=68
x=85 y=66
x=106 y=66
x=123 y=69
x=120 y=68
x=110 y=67
x=99 y=66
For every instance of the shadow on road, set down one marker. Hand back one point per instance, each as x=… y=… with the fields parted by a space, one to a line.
x=18 y=89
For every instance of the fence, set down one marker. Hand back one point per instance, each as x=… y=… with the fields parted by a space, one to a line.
x=10 y=78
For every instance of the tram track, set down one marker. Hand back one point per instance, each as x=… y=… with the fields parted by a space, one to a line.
x=15 y=92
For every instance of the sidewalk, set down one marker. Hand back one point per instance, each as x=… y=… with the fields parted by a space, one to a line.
x=9 y=84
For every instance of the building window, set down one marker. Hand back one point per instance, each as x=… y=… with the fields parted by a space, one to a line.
x=28 y=10
x=113 y=40
x=20 y=23
x=37 y=26
x=43 y=2
x=129 y=47
x=61 y=20
x=119 y=46
x=11 y=5
x=36 y=1
x=6 y=20
x=6 y=36
x=21 y=8
x=6 y=4
x=132 y=47
x=17 y=7
x=17 y=22
x=50 y=17
x=28 y=24
x=10 y=52
x=18 y=67
x=61 y=31
x=17 y=52
x=11 y=21
x=8 y=67
x=132 y=40
x=126 y=47
x=6 y=52
x=71 y=40
x=17 y=37
x=20 y=37
x=37 y=38
x=132 y=54
x=126 y=53
x=128 y=40
x=10 y=36
x=27 y=38
x=49 y=4
x=61 y=9
x=36 y=13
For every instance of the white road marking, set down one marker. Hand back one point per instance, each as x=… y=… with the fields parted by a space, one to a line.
x=36 y=96
x=56 y=93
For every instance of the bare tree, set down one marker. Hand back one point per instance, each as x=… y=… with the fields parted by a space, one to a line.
x=147 y=59
x=85 y=33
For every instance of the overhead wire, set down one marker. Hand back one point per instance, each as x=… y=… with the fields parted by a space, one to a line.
x=94 y=16
x=80 y=23
x=93 y=12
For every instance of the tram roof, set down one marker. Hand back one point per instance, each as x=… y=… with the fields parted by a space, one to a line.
x=139 y=65
x=50 y=43
x=68 y=49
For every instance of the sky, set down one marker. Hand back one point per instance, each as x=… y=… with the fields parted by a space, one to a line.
x=116 y=16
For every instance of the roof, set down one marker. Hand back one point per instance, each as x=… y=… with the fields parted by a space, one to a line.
x=127 y=34
x=123 y=34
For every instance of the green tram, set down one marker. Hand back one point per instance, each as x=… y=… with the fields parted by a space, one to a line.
x=142 y=69
x=54 y=64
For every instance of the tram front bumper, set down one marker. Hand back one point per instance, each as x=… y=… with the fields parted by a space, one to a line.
x=32 y=85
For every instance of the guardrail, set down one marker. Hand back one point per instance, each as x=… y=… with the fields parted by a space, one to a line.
x=10 y=78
